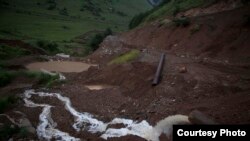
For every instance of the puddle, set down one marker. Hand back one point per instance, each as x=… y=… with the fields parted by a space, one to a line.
x=60 y=66
x=98 y=87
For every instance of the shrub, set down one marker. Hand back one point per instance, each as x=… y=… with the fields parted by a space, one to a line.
x=5 y=78
x=42 y=78
x=51 y=47
x=6 y=102
x=138 y=19
x=46 y=79
x=7 y=131
x=195 y=29
x=41 y=43
x=91 y=7
x=107 y=32
x=65 y=27
x=64 y=12
x=176 y=10
x=51 y=1
x=183 y=21
x=98 y=38
x=7 y=52
x=122 y=14
x=3 y=65
x=52 y=7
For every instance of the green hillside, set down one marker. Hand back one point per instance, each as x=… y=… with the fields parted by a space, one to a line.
x=169 y=8
x=172 y=7
x=62 y=20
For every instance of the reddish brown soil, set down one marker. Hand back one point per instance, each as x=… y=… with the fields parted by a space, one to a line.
x=222 y=35
x=217 y=81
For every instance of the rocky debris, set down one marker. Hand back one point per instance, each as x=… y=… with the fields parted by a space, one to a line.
x=123 y=111
x=183 y=69
x=182 y=56
x=61 y=76
x=25 y=123
x=9 y=118
x=63 y=55
x=197 y=117
x=22 y=122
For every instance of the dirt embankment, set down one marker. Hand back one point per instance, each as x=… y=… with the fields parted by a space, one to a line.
x=214 y=7
x=215 y=58
x=222 y=35
x=215 y=78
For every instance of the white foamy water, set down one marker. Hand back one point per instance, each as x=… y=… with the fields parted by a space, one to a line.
x=85 y=121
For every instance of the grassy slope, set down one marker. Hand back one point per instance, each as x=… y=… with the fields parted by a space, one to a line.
x=169 y=8
x=25 y=18
x=129 y=56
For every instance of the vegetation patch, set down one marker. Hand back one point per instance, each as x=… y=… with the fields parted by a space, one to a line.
x=7 y=102
x=52 y=4
x=7 y=52
x=168 y=8
x=129 y=56
x=183 y=21
x=3 y=65
x=50 y=47
x=5 y=78
x=98 y=38
x=64 y=12
x=43 y=79
x=195 y=29
x=91 y=7
x=7 y=131
x=139 y=18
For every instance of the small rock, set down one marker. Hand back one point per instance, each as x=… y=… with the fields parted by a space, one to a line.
x=182 y=56
x=183 y=69
x=196 y=87
x=24 y=122
x=62 y=55
x=205 y=59
x=197 y=117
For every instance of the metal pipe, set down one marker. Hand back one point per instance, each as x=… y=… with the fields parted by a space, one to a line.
x=159 y=71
